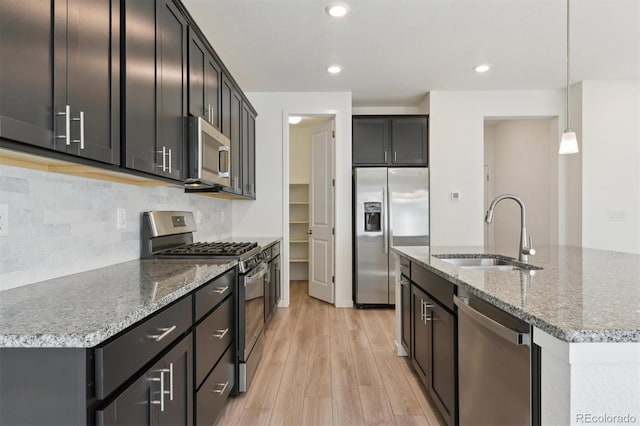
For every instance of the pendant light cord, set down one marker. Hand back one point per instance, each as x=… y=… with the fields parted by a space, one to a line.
x=568 y=66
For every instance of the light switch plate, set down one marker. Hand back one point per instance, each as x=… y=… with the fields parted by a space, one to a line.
x=4 y=220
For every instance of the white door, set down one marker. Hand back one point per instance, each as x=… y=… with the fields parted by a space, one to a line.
x=321 y=248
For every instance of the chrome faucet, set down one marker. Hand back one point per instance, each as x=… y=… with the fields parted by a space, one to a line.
x=525 y=251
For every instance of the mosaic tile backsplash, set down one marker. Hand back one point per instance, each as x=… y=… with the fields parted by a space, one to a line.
x=60 y=225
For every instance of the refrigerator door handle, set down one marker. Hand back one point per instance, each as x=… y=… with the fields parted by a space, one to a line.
x=389 y=217
x=385 y=236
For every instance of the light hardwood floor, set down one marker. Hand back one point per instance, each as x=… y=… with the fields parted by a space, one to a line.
x=328 y=366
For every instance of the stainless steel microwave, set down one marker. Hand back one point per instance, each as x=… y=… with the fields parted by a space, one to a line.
x=209 y=156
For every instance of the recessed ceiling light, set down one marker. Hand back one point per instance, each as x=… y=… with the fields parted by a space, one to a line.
x=293 y=119
x=482 y=68
x=337 y=10
x=334 y=69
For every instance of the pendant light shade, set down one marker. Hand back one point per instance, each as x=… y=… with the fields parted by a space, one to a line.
x=569 y=141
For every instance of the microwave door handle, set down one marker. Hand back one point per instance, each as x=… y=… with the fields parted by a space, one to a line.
x=223 y=152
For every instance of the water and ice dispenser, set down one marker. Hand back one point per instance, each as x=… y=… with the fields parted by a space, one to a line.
x=372 y=217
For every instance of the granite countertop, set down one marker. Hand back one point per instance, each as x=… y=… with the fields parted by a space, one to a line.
x=580 y=295
x=85 y=309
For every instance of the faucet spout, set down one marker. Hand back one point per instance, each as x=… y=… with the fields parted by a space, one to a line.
x=525 y=250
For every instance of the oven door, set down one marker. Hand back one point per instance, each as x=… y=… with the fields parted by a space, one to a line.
x=253 y=307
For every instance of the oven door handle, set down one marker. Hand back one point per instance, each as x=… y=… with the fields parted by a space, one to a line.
x=257 y=273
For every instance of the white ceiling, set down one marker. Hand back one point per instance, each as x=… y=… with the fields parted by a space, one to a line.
x=395 y=51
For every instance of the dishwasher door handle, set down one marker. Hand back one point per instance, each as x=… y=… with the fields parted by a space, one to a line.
x=512 y=336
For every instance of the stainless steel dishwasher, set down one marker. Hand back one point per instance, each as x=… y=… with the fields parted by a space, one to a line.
x=494 y=365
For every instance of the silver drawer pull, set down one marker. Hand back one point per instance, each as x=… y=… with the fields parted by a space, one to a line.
x=220 y=391
x=220 y=290
x=221 y=333
x=162 y=391
x=165 y=332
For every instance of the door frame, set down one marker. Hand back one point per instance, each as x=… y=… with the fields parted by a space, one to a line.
x=285 y=254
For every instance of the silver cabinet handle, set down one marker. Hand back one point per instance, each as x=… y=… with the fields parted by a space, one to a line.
x=422 y=310
x=395 y=157
x=169 y=160
x=309 y=232
x=385 y=156
x=171 y=381
x=221 y=333
x=210 y=114
x=220 y=290
x=67 y=125
x=81 y=120
x=162 y=391
x=221 y=391
x=165 y=333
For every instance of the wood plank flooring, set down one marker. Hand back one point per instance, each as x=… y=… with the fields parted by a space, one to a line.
x=327 y=366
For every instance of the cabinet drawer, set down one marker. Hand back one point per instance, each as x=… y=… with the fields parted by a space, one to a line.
x=214 y=292
x=441 y=289
x=121 y=358
x=213 y=394
x=213 y=336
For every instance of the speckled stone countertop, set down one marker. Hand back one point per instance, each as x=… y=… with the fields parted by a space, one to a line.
x=580 y=295
x=85 y=309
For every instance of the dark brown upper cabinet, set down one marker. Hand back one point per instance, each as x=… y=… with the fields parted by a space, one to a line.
x=65 y=93
x=155 y=83
x=249 y=151
x=204 y=81
x=390 y=141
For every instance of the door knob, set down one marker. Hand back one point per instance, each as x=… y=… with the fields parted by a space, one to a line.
x=309 y=232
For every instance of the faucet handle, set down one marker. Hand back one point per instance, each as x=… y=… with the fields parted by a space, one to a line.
x=529 y=250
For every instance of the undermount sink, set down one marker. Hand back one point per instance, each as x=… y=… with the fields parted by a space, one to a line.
x=489 y=262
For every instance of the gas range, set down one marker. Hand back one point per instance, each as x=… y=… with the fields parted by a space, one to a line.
x=169 y=234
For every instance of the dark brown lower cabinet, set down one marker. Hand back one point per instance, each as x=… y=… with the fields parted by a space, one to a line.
x=161 y=396
x=433 y=347
x=420 y=334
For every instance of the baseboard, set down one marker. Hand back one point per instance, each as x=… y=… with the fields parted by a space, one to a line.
x=344 y=303
x=400 y=349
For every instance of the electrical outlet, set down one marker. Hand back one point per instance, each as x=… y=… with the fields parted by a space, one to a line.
x=4 y=220
x=122 y=219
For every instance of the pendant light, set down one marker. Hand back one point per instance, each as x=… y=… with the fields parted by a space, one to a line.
x=569 y=141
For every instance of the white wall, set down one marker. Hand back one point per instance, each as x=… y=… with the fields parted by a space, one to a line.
x=524 y=157
x=61 y=224
x=610 y=138
x=299 y=154
x=268 y=215
x=456 y=132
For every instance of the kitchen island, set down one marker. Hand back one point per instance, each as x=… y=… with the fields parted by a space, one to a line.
x=584 y=307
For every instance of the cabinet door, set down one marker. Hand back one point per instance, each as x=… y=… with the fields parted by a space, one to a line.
x=197 y=59
x=171 y=45
x=405 y=292
x=248 y=152
x=163 y=395
x=137 y=405
x=267 y=294
x=26 y=72
x=212 y=72
x=91 y=85
x=421 y=334
x=178 y=384
x=139 y=73
x=409 y=141
x=370 y=141
x=442 y=380
x=231 y=121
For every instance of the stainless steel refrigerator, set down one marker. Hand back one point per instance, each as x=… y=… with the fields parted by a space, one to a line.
x=391 y=209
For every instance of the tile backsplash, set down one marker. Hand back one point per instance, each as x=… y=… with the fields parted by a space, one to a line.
x=60 y=224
